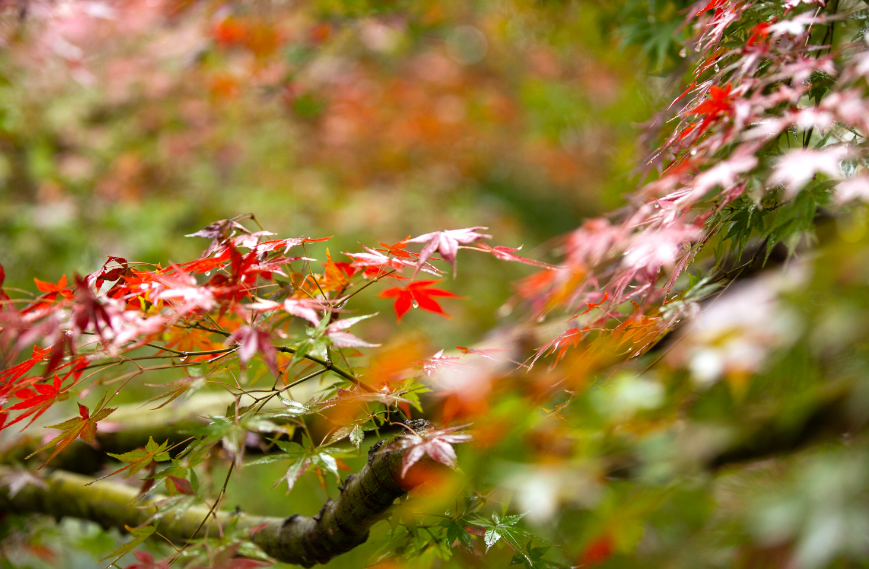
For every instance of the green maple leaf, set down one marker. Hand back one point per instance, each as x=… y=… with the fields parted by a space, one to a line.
x=300 y=459
x=139 y=459
x=139 y=535
x=457 y=532
x=502 y=528
x=84 y=426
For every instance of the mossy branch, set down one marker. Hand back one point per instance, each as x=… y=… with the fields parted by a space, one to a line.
x=340 y=526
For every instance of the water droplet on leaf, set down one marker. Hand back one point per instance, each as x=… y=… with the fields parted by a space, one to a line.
x=717 y=69
x=415 y=304
x=683 y=52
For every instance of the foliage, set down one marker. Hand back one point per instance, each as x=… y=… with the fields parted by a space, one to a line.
x=633 y=413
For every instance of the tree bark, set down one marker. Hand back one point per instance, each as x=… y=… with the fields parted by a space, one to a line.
x=340 y=526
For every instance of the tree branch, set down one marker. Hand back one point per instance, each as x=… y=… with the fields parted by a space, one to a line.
x=340 y=526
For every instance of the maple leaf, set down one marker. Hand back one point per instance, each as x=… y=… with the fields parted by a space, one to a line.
x=341 y=339
x=181 y=485
x=856 y=188
x=500 y=528
x=446 y=243
x=9 y=376
x=653 y=249
x=226 y=558
x=139 y=534
x=723 y=174
x=374 y=258
x=16 y=478
x=797 y=167
x=146 y=561
x=793 y=26
x=437 y=444
x=182 y=287
x=84 y=426
x=337 y=277
x=559 y=344
x=719 y=103
x=110 y=275
x=398 y=249
x=484 y=353
x=219 y=232
x=439 y=360
x=593 y=241
x=89 y=310
x=250 y=240
x=41 y=396
x=286 y=244
x=417 y=294
x=303 y=308
x=712 y=5
x=252 y=340
x=300 y=459
x=54 y=289
x=507 y=254
x=139 y=459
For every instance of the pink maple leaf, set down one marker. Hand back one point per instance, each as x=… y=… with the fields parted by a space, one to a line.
x=439 y=360
x=437 y=444
x=374 y=258
x=588 y=245
x=252 y=340
x=652 y=249
x=181 y=287
x=724 y=174
x=336 y=332
x=446 y=243
x=303 y=308
x=856 y=188
x=146 y=561
x=797 y=167
x=286 y=244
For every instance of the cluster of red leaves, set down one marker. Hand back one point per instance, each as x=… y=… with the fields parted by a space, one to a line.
x=123 y=306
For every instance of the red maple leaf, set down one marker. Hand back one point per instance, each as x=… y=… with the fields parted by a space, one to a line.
x=52 y=291
x=48 y=288
x=398 y=249
x=759 y=33
x=417 y=294
x=9 y=376
x=719 y=103
x=713 y=5
x=41 y=396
